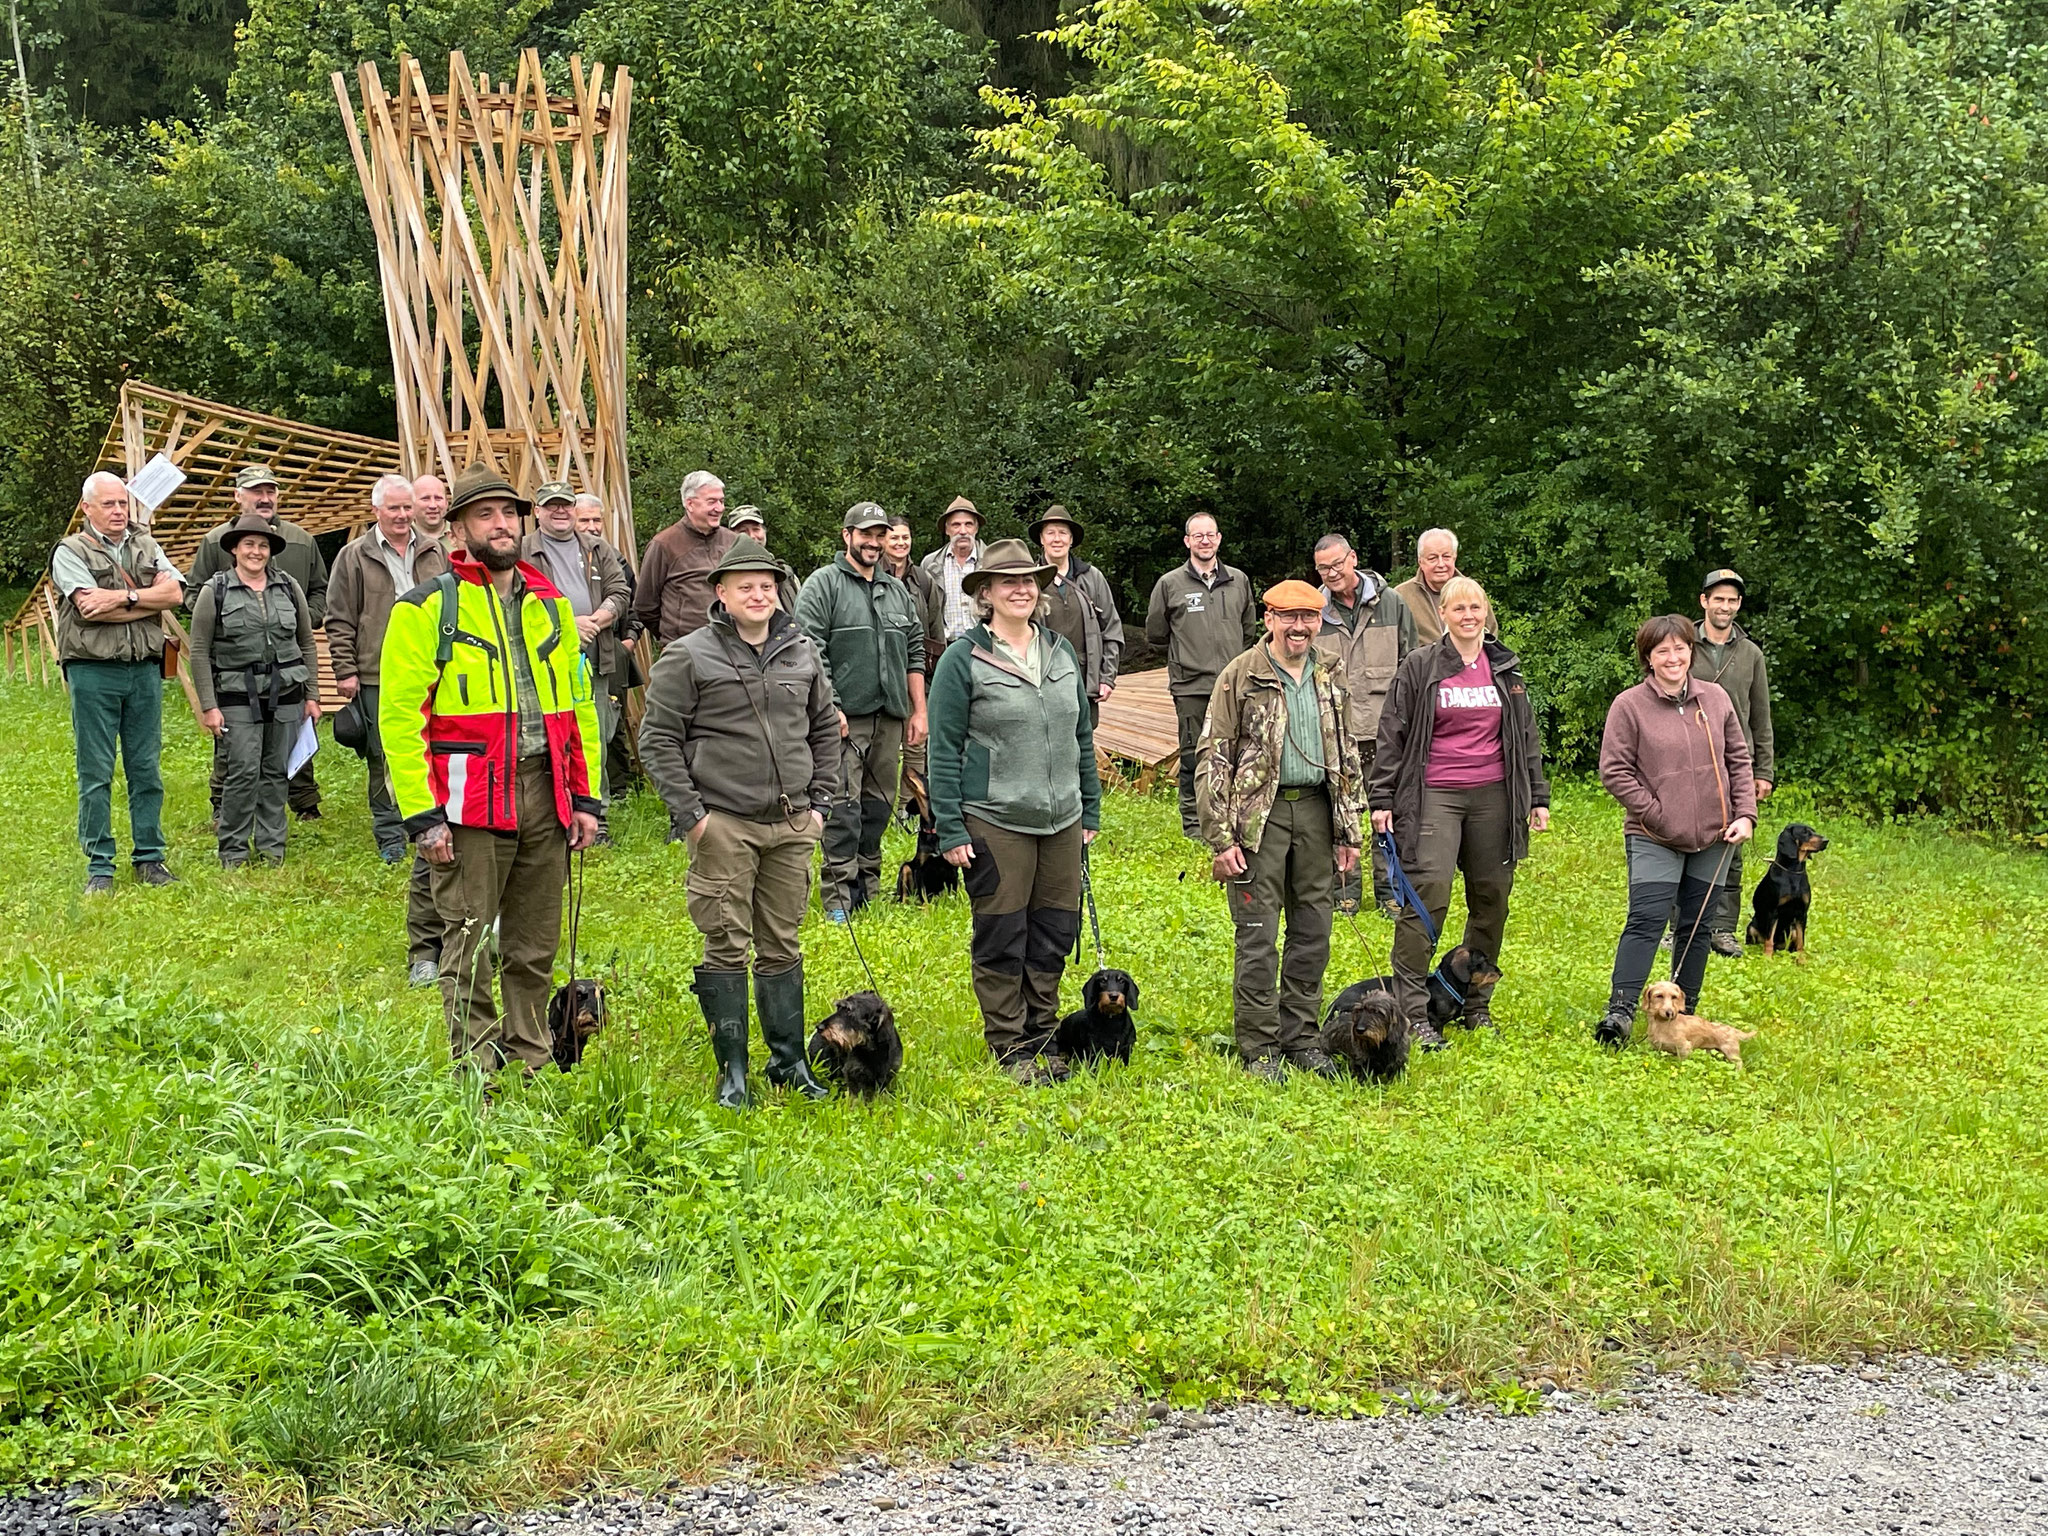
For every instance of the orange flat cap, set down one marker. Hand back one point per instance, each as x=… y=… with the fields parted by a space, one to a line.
x=1294 y=597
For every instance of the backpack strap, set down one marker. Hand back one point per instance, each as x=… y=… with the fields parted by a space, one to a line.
x=448 y=584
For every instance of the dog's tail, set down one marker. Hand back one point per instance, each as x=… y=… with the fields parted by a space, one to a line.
x=1743 y=1034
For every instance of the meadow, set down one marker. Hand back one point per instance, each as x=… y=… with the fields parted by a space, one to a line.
x=254 y=1234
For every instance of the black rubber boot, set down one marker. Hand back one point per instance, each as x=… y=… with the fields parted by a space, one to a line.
x=723 y=997
x=779 y=999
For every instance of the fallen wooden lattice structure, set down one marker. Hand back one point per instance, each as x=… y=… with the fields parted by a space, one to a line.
x=1138 y=726
x=324 y=479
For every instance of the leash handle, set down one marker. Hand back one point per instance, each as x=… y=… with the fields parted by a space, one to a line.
x=1404 y=888
x=1088 y=896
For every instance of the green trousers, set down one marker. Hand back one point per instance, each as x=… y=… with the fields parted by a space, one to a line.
x=118 y=706
x=1277 y=1000
x=748 y=885
x=254 y=754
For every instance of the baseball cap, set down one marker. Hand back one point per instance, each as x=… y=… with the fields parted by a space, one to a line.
x=554 y=490
x=1722 y=578
x=864 y=514
x=252 y=475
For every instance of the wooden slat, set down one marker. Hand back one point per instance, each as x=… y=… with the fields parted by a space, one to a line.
x=1138 y=723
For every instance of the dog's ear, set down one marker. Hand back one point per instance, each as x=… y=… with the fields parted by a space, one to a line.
x=1091 y=991
x=1130 y=992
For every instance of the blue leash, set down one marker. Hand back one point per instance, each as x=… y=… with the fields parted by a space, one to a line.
x=1409 y=897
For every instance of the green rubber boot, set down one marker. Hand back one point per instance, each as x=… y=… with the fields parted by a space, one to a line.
x=723 y=997
x=779 y=999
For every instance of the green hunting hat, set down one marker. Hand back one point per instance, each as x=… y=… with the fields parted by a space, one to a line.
x=252 y=475
x=1058 y=514
x=747 y=514
x=554 y=490
x=480 y=482
x=1005 y=557
x=246 y=524
x=1722 y=578
x=746 y=555
x=864 y=514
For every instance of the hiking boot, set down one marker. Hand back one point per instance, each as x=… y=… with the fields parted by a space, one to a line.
x=424 y=973
x=1267 y=1068
x=99 y=885
x=836 y=915
x=1726 y=945
x=310 y=813
x=1426 y=1036
x=1613 y=1031
x=1479 y=1015
x=779 y=999
x=1665 y=942
x=1312 y=1060
x=1055 y=1066
x=154 y=873
x=1038 y=1071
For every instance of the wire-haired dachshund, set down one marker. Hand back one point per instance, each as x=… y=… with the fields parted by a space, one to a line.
x=1365 y=1031
x=1104 y=1025
x=857 y=1047
x=925 y=874
x=1778 y=912
x=575 y=1013
x=1461 y=969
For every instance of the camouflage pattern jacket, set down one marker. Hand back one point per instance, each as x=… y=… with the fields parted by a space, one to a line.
x=1237 y=774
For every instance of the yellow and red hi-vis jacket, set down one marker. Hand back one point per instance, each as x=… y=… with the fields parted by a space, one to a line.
x=448 y=704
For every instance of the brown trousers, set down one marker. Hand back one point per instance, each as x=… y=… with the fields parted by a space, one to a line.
x=1462 y=829
x=748 y=885
x=1277 y=1001
x=1026 y=893
x=513 y=880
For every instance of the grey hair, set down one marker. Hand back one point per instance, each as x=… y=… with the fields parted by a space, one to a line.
x=85 y=491
x=381 y=491
x=1328 y=542
x=1435 y=533
x=585 y=499
x=696 y=480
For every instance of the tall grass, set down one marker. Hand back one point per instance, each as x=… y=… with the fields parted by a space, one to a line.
x=252 y=1230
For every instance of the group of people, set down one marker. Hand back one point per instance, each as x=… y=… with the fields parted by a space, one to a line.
x=484 y=645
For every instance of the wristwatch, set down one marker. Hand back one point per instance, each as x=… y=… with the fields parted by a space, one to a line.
x=131 y=597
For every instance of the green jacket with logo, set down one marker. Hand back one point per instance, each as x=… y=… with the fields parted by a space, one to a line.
x=1018 y=755
x=869 y=635
x=1203 y=627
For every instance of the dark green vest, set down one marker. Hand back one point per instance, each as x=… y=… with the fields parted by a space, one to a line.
x=142 y=640
x=256 y=637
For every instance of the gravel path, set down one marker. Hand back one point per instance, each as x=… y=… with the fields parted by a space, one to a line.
x=1809 y=1449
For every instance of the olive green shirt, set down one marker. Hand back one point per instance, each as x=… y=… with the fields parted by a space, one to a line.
x=1301 y=749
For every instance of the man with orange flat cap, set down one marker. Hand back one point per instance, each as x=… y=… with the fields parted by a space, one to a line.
x=1276 y=787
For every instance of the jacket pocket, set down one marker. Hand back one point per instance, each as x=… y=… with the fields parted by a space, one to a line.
x=457 y=748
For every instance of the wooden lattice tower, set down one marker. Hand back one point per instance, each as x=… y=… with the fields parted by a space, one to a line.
x=500 y=216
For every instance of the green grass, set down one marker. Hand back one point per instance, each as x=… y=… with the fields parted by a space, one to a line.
x=254 y=1234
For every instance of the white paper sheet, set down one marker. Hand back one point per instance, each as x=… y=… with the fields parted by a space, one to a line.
x=154 y=485
x=304 y=748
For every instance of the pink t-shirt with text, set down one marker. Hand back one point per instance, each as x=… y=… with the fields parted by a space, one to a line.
x=1464 y=743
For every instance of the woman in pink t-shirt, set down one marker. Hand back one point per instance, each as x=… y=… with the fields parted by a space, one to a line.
x=1458 y=779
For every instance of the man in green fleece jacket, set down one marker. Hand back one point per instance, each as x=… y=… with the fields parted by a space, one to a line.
x=868 y=632
x=1725 y=655
x=1203 y=615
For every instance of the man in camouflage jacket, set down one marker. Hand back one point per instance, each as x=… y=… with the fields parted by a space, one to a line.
x=1276 y=788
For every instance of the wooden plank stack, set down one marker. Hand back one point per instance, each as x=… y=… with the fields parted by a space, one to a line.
x=1138 y=725
x=500 y=217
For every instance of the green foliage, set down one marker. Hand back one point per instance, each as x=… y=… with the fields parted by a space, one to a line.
x=122 y=63
x=252 y=1228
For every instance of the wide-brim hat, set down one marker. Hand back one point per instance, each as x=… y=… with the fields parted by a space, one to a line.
x=960 y=504
x=480 y=482
x=1005 y=557
x=246 y=524
x=746 y=554
x=1057 y=514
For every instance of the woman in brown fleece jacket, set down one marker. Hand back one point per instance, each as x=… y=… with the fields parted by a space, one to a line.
x=1674 y=755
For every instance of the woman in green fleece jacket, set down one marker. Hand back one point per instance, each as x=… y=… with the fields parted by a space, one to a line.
x=1014 y=791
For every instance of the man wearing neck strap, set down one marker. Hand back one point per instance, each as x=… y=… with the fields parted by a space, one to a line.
x=1277 y=787
x=1724 y=654
x=590 y=574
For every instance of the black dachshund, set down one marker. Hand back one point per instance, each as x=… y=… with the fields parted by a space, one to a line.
x=1104 y=1026
x=1366 y=1032
x=1778 y=913
x=575 y=1013
x=925 y=874
x=1461 y=969
x=857 y=1047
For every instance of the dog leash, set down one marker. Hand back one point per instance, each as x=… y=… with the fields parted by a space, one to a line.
x=575 y=916
x=1094 y=922
x=1678 y=951
x=1404 y=888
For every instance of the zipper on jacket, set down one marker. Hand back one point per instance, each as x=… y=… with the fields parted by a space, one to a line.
x=511 y=753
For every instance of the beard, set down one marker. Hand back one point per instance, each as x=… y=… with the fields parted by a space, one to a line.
x=495 y=559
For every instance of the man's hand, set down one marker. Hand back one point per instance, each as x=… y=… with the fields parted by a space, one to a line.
x=349 y=686
x=94 y=601
x=1347 y=858
x=1102 y=694
x=312 y=709
x=1088 y=835
x=587 y=626
x=437 y=845
x=959 y=857
x=212 y=721
x=1383 y=821
x=1539 y=819
x=1228 y=864
x=582 y=831
x=915 y=729
x=695 y=832
x=817 y=823
x=1763 y=789
x=1739 y=830
x=843 y=729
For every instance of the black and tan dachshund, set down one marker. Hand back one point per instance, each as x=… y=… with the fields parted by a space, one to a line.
x=575 y=1013
x=857 y=1047
x=1778 y=911
x=1105 y=1025
x=1461 y=969
x=1366 y=1032
x=925 y=874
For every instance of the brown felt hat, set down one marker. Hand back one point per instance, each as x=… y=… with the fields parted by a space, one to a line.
x=1005 y=557
x=246 y=524
x=480 y=482
x=1057 y=514
x=960 y=504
